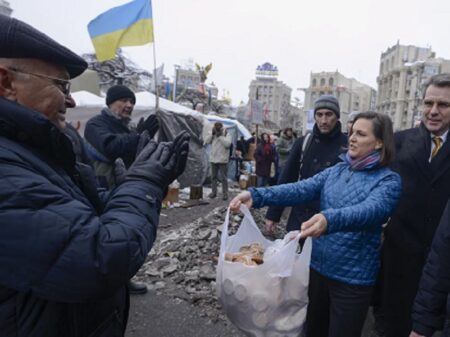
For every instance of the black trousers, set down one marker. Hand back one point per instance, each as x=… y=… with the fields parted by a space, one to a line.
x=336 y=309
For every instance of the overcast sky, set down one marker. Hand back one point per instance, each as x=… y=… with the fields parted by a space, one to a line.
x=297 y=36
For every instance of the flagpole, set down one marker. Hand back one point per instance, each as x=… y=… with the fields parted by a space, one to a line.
x=154 y=77
x=154 y=63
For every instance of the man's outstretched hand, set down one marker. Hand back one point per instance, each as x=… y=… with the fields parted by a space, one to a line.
x=150 y=124
x=161 y=163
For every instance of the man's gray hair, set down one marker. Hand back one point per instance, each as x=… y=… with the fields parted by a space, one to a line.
x=439 y=80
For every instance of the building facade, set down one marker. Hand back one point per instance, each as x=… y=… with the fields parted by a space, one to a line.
x=273 y=94
x=351 y=94
x=188 y=78
x=5 y=8
x=403 y=72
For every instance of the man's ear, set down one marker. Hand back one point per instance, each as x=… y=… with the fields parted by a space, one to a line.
x=7 y=86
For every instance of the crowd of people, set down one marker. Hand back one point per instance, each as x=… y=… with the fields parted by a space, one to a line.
x=79 y=215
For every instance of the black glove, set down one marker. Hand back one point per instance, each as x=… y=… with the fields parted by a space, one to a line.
x=120 y=169
x=181 y=147
x=161 y=163
x=150 y=124
x=144 y=139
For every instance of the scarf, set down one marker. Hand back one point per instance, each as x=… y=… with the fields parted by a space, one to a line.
x=370 y=161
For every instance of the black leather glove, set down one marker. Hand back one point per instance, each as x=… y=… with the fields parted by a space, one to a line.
x=144 y=139
x=150 y=124
x=181 y=146
x=120 y=169
x=161 y=163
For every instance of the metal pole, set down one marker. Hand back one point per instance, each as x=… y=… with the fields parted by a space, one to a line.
x=154 y=78
x=154 y=65
x=175 y=82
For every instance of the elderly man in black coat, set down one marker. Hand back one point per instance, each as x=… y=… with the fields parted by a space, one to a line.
x=423 y=161
x=109 y=135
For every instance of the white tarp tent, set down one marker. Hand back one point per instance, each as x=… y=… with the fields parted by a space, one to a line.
x=145 y=101
x=173 y=117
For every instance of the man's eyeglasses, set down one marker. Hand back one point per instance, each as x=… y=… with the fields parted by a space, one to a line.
x=62 y=84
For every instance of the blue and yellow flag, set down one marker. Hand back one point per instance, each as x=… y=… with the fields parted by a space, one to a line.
x=127 y=25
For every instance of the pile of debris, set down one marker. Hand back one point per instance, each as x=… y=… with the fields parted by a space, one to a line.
x=183 y=261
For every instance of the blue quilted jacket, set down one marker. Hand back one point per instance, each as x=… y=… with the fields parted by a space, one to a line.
x=355 y=204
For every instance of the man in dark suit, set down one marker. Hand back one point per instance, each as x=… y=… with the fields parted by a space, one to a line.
x=423 y=161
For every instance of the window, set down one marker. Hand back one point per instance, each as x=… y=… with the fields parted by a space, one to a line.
x=314 y=82
x=322 y=82
x=330 y=81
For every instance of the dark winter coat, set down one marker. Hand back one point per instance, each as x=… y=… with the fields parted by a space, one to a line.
x=408 y=236
x=78 y=146
x=64 y=265
x=355 y=204
x=323 y=152
x=264 y=160
x=108 y=139
x=432 y=305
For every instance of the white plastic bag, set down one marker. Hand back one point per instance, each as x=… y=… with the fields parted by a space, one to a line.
x=268 y=300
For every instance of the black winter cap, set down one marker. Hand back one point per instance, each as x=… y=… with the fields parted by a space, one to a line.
x=328 y=102
x=117 y=92
x=20 y=40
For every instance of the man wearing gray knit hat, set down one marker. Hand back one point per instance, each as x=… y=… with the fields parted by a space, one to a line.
x=328 y=102
x=326 y=112
x=310 y=155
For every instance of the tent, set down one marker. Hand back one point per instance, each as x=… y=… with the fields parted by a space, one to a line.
x=174 y=118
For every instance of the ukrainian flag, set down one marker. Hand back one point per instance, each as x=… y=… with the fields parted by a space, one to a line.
x=127 y=25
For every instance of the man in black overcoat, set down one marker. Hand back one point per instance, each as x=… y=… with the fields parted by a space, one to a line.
x=423 y=161
x=310 y=155
x=431 y=308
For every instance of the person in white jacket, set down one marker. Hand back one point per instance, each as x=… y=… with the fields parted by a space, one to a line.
x=220 y=153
